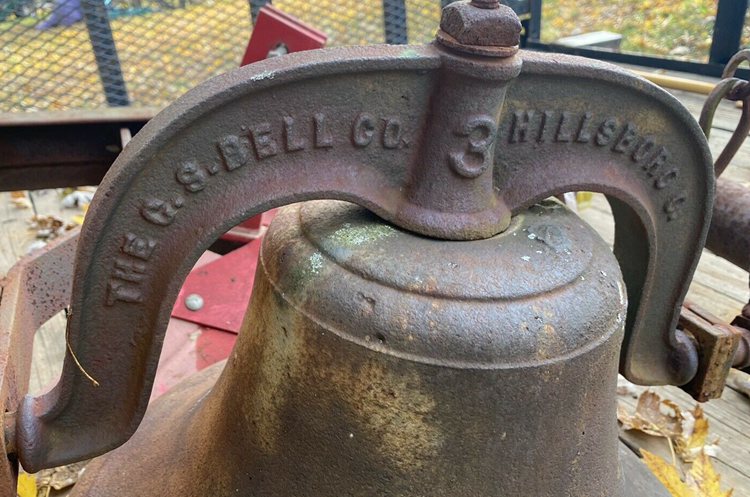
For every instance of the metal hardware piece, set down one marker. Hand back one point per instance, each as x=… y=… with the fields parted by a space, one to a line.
x=274 y=29
x=480 y=28
x=742 y=357
x=733 y=89
x=194 y=302
x=438 y=142
x=717 y=343
x=729 y=234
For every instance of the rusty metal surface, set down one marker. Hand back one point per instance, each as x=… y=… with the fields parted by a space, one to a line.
x=375 y=362
x=437 y=142
x=742 y=357
x=57 y=149
x=717 y=343
x=729 y=234
x=480 y=28
x=169 y=410
x=729 y=238
x=35 y=289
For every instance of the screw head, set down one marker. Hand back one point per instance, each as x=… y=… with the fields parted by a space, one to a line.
x=194 y=302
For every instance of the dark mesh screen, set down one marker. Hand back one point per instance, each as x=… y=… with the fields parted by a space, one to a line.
x=86 y=54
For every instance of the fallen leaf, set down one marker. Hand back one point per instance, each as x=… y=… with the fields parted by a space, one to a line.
x=19 y=200
x=686 y=431
x=26 y=485
x=654 y=416
x=701 y=481
x=668 y=475
x=60 y=477
x=704 y=479
x=694 y=438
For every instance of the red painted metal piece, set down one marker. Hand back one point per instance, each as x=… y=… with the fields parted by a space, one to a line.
x=251 y=229
x=189 y=348
x=273 y=28
x=225 y=286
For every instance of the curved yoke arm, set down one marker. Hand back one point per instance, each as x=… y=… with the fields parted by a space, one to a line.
x=425 y=139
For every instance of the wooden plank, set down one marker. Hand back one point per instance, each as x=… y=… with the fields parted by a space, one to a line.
x=15 y=239
x=639 y=482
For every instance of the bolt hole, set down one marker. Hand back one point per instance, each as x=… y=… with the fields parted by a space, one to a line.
x=380 y=337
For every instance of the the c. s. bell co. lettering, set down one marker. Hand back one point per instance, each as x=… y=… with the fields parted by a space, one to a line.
x=252 y=143
x=130 y=269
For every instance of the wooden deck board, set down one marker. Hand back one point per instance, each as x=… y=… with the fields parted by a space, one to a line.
x=718 y=286
x=15 y=239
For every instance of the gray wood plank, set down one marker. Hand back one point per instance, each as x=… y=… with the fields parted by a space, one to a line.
x=639 y=482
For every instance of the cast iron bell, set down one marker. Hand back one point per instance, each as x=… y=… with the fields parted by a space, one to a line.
x=453 y=334
x=374 y=361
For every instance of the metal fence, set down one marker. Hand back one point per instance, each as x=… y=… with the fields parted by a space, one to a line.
x=87 y=54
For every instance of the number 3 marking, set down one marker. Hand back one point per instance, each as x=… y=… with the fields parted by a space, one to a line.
x=481 y=131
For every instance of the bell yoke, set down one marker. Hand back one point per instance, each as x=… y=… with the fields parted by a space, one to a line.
x=453 y=333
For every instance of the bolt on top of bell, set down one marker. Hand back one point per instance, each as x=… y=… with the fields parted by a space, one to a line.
x=480 y=27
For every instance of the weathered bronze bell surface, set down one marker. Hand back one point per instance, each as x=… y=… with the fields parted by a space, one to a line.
x=362 y=371
x=109 y=475
x=403 y=294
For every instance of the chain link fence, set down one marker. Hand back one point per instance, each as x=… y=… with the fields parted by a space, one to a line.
x=88 y=54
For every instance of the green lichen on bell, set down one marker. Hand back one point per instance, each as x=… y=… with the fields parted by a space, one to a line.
x=351 y=236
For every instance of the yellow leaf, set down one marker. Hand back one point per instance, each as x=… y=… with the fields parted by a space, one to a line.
x=26 y=485
x=704 y=479
x=668 y=475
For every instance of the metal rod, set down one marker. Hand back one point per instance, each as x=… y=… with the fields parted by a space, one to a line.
x=105 y=52
x=714 y=70
x=534 y=32
x=255 y=6
x=730 y=18
x=394 y=20
x=677 y=83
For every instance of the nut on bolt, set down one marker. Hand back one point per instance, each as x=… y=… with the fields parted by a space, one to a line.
x=480 y=27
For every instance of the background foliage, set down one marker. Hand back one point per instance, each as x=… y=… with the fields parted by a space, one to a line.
x=680 y=28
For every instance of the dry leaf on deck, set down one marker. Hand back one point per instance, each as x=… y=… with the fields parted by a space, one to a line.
x=19 y=200
x=694 y=437
x=686 y=431
x=661 y=418
x=701 y=481
x=668 y=475
x=703 y=477
x=60 y=477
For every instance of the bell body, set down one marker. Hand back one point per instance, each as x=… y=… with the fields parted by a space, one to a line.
x=375 y=362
